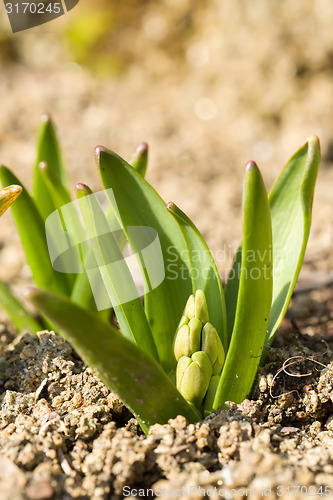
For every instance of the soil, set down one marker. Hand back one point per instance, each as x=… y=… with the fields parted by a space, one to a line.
x=64 y=435
x=231 y=84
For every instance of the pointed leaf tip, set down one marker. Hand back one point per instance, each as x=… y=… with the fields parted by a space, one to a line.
x=80 y=186
x=14 y=189
x=251 y=166
x=170 y=205
x=99 y=150
x=8 y=195
x=139 y=160
x=142 y=147
x=314 y=147
x=313 y=140
x=45 y=118
x=29 y=291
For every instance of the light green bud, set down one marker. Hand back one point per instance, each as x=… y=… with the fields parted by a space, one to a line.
x=182 y=343
x=195 y=334
x=211 y=344
x=196 y=307
x=182 y=365
x=193 y=377
x=190 y=307
x=188 y=339
x=198 y=350
x=183 y=321
x=200 y=304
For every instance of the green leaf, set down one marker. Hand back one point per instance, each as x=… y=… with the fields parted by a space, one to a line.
x=115 y=273
x=204 y=272
x=18 y=315
x=53 y=186
x=7 y=196
x=82 y=290
x=81 y=293
x=140 y=206
x=231 y=292
x=32 y=232
x=291 y=210
x=255 y=294
x=49 y=152
x=125 y=368
x=60 y=197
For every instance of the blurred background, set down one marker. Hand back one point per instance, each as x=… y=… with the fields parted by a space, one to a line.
x=209 y=85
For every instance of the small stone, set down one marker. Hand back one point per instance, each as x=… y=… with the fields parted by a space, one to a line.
x=178 y=423
x=39 y=490
x=41 y=409
x=9 y=469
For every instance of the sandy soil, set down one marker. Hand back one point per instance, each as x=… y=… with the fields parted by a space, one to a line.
x=245 y=84
x=64 y=435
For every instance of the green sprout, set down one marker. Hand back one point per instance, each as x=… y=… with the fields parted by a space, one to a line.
x=50 y=193
x=189 y=346
x=199 y=353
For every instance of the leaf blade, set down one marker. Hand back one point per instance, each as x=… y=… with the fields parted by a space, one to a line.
x=117 y=278
x=255 y=294
x=52 y=184
x=18 y=315
x=48 y=151
x=290 y=196
x=32 y=232
x=231 y=292
x=139 y=205
x=291 y=209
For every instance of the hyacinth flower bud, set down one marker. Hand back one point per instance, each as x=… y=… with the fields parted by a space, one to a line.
x=196 y=307
x=188 y=339
x=212 y=346
x=198 y=351
x=193 y=377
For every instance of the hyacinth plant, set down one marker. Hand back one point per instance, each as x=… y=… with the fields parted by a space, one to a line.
x=186 y=346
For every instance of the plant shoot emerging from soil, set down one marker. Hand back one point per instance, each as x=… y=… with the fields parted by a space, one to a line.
x=190 y=346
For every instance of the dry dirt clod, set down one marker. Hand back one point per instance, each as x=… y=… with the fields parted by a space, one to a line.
x=64 y=435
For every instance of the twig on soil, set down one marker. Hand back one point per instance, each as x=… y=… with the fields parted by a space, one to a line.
x=40 y=388
x=286 y=364
x=64 y=464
